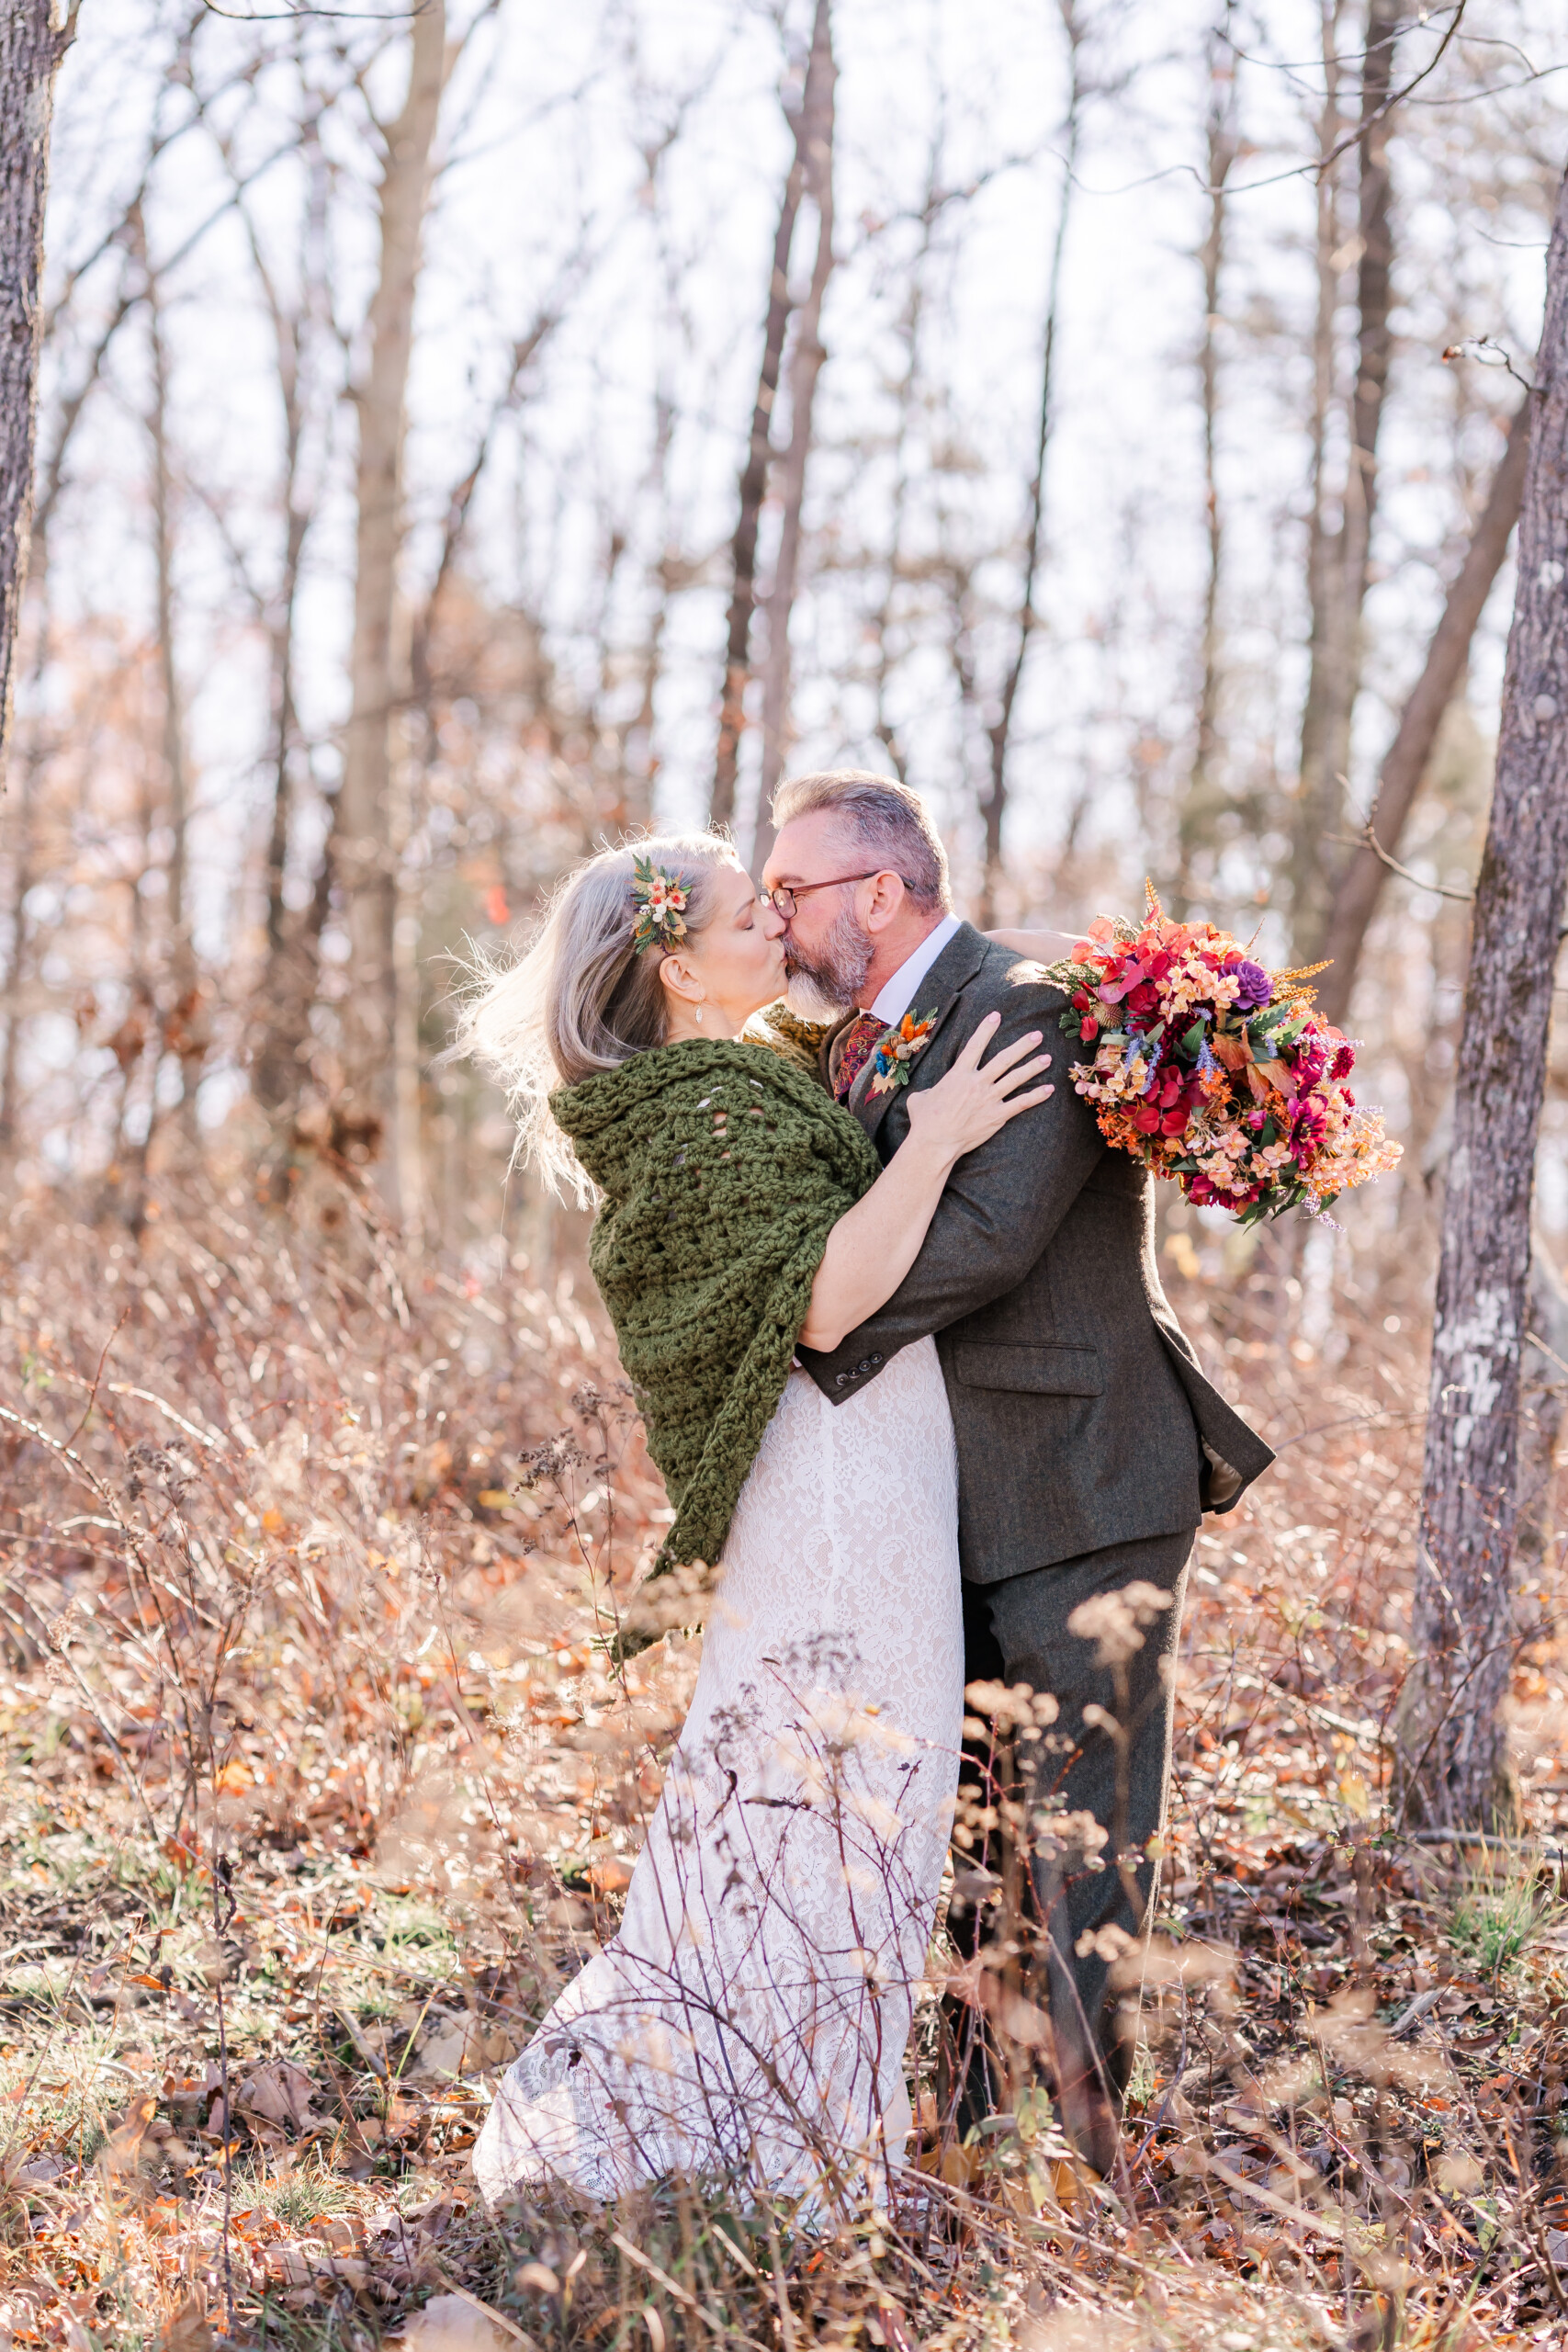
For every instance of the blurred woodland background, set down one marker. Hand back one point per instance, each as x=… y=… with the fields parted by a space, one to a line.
x=465 y=434
x=462 y=438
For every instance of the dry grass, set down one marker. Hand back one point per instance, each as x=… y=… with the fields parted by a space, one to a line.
x=317 y=1788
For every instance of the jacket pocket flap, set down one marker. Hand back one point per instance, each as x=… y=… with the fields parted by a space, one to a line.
x=1047 y=1370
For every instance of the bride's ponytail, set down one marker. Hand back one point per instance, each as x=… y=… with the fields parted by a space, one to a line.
x=583 y=998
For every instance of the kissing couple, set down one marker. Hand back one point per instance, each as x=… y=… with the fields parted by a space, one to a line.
x=890 y=1307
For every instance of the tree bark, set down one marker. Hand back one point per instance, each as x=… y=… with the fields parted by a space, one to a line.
x=1406 y=762
x=293 y=937
x=816 y=140
x=361 y=848
x=31 y=46
x=1343 y=556
x=999 y=731
x=1543 y=1394
x=276 y=1071
x=759 y=448
x=168 y=669
x=1453 y=1744
x=1204 y=798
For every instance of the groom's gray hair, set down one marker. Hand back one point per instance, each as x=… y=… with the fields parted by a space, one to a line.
x=884 y=818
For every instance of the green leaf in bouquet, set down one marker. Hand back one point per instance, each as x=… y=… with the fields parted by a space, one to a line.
x=1193 y=1038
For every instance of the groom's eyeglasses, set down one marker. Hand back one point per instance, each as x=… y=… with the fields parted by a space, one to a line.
x=783 y=900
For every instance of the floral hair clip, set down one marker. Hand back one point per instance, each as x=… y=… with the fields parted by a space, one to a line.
x=659 y=898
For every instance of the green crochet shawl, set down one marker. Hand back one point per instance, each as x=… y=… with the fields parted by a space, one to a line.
x=723 y=1168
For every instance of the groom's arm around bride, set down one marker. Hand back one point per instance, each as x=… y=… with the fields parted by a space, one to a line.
x=1089 y=1441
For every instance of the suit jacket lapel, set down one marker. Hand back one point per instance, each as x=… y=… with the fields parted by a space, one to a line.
x=942 y=988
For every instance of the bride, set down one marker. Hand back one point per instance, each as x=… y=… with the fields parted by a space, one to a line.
x=751 y=2016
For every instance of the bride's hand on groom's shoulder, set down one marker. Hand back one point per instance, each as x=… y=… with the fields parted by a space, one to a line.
x=973 y=1099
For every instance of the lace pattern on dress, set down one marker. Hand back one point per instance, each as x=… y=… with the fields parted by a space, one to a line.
x=752 y=2014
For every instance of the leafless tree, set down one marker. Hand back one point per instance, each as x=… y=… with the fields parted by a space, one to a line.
x=1340 y=552
x=998 y=731
x=1362 y=877
x=811 y=126
x=1452 y=1737
x=362 y=851
x=805 y=365
x=1202 y=795
x=32 y=43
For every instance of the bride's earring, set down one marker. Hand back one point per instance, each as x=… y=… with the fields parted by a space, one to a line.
x=699 y=1014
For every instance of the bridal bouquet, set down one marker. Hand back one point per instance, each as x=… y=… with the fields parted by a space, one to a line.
x=1211 y=1070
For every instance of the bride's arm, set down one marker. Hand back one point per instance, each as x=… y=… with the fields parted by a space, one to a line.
x=1039 y=946
x=873 y=1245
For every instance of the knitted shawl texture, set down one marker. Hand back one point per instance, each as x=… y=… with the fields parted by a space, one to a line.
x=723 y=1168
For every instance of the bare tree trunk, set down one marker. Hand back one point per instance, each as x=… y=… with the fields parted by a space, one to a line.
x=1200 y=800
x=182 y=1026
x=361 y=849
x=999 y=731
x=1406 y=762
x=290 y=977
x=1452 y=1742
x=1543 y=1394
x=816 y=141
x=293 y=937
x=1325 y=650
x=759 y=448
x=408 y=1131
x=24 y=874
x=1342 y=557
x=169 y=672
x=31 y=46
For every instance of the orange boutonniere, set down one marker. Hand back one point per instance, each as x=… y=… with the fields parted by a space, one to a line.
x=897 y=1049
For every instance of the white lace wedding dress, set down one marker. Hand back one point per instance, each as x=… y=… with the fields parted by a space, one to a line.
x=750 y=2018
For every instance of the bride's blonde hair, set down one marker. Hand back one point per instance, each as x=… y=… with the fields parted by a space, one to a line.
x=583 y=998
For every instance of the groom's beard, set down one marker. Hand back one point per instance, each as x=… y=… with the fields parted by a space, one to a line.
x=820 y=986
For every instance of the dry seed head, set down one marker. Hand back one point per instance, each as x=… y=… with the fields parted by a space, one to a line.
x=1114 y=1621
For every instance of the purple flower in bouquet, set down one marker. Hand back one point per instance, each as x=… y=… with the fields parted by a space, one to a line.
x=1255 y=986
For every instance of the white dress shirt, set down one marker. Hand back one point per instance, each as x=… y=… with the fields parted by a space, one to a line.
x=894 y=999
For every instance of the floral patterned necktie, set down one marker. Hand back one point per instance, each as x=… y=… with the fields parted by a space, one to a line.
x=860 y=1043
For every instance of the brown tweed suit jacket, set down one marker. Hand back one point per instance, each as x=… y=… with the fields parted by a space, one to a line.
x=1081 y=1416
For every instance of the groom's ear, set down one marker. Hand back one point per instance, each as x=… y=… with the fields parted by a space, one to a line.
x=887 y=896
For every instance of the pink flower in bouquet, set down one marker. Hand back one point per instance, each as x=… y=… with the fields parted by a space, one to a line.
x=1214 y=1071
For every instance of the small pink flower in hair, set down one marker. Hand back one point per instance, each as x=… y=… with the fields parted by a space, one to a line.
x=659 y=898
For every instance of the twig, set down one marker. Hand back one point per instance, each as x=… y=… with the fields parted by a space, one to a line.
x=58 y=1649
x=222 y=1888
x=93 y=1391
x=1367 y=839
x=673 y=2287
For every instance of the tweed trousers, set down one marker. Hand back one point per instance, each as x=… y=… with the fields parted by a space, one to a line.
x=1016 y=1631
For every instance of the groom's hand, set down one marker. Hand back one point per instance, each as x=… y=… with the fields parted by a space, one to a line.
x=1000 y=1209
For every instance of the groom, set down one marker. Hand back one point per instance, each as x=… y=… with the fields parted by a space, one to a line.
x=1088 y=1442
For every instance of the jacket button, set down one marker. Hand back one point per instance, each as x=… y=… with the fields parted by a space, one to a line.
x=876 y=1359
x=841 y=1379
x=864 y=1364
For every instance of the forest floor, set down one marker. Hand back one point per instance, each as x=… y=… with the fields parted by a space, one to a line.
x=316 y=1789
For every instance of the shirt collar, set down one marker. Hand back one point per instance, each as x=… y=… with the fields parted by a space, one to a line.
x=894 y=999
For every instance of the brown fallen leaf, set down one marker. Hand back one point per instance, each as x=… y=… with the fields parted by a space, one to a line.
x=120 y=2155
x=280 y=2093
x=460 y=2323
x=453 y=2046
x=187 y=2329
